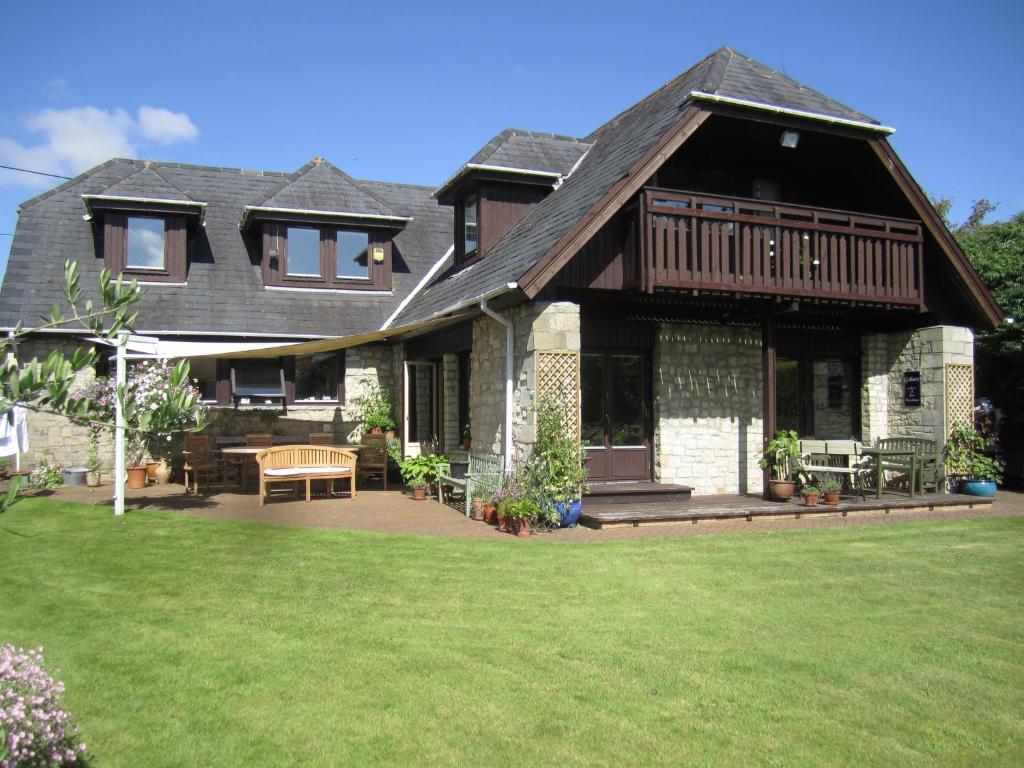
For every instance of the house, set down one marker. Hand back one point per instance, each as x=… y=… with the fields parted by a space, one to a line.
x=734 y=254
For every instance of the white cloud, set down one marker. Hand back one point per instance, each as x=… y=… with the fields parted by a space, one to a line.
x=78 y=138
x=165 y=126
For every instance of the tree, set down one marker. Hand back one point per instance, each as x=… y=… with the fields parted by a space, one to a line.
x=996 y=251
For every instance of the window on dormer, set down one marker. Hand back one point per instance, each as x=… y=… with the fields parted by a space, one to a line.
x=303 y=252
x=470 y=226
x=149 y=248
x=326 y=256
x=353 y=254
x=145 y=249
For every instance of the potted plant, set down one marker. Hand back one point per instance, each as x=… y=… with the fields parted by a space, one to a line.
x=830 y=488
x=966 y=459
x=420 y=470
x=554 y=470
x=501 y=499
x=810 y=494
x=523 y=512
x=92 y=462
x=467 y=438
x=373 y=409
x=778 y=457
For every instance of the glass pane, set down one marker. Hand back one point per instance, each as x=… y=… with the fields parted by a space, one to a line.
x=145 y=243
x=833 y=399
x=258 y=377
x=204 y=372
x=353 y=254
x=316 y=377
x=303 y=252
x=787 y=394
x=421 y=399
x=470 y=239
x=627 y=400
x=592 y=402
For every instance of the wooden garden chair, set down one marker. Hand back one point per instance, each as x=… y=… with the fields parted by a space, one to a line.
x=373 y=458
x=200 y=460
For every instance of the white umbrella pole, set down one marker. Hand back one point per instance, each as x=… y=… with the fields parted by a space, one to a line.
x=119 y=474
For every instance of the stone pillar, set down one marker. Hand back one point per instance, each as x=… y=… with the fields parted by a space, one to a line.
x=451 y=430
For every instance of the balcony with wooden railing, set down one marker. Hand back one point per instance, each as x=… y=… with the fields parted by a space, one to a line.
x=717 y=244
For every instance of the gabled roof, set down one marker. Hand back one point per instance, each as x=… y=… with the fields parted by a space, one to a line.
x=320 y=187
x=624 y=151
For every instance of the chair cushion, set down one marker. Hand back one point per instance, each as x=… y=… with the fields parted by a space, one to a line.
x=302 y=471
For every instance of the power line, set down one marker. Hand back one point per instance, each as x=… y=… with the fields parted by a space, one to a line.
x=37 y=173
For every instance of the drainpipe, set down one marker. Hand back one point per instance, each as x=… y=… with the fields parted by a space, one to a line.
x=508 y=379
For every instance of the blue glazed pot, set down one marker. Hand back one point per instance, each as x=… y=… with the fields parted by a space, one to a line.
x=986 y=488
x=568 y=512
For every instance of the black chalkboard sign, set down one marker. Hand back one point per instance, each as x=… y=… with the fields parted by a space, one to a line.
x=835 y=391
x=912 y=388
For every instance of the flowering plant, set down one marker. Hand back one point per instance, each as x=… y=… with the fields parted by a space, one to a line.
x=159 y=400
x=34 y=730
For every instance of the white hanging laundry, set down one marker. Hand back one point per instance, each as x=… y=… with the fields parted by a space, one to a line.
x=14 y=432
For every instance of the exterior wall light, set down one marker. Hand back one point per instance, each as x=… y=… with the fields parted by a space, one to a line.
x=790 y=139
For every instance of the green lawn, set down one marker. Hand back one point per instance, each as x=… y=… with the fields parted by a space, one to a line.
x=194 y=642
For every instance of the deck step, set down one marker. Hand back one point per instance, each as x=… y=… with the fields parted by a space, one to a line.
x=603 y=495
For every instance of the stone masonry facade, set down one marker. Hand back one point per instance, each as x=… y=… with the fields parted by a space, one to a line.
x=707 y=407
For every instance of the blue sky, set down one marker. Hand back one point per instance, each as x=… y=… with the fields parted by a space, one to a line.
x=408 y=91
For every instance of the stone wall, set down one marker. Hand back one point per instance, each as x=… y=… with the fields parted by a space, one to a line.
x=887 y=357
x=451 y=430
x=537 y=326
x=707 y=408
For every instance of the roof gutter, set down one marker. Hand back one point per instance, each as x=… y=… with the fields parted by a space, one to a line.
x=715 y=98
x=554 y=176
x=251 y=209
x=89 y=199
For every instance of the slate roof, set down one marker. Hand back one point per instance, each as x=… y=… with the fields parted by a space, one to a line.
x=320 y=186
x=529 y=150
x=615 y=147
x=225 y=291
x=147 y=183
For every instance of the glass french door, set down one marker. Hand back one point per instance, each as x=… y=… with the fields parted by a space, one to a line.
x=615 y=410
x=420 y=407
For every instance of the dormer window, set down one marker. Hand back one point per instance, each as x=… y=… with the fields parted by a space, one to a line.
x=470 y=223
x=146 y=247
x=326 y=256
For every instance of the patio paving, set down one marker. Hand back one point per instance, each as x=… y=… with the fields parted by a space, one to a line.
x=393 y=511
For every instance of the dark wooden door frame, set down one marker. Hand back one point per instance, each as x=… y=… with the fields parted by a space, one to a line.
x=646 y=396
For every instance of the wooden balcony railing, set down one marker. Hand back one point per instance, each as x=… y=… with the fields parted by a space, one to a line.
x=710 y=243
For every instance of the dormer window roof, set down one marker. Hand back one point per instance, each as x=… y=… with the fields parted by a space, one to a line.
x=144 y=191
x=319 y=192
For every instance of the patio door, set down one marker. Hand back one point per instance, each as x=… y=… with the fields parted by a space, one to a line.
x=419 y=406
x=615 y=410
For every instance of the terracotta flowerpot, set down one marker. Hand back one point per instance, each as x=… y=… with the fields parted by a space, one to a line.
x=832 y=498
x=390 y=434
x=467 y=442
x=502 y=522
x=478 y=507
x=810 y=499
x=419 y=492
x=151 y=470
x=136 y=477
x=92 y=479
x=375 y=431
x=783 y=489
x=490 y=514
x=524 y=527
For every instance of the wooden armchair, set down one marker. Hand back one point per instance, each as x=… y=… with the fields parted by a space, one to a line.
x=929 y=467
x=200 y=460
x=373 y=458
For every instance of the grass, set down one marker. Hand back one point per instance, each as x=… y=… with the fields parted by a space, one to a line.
x=185 y=641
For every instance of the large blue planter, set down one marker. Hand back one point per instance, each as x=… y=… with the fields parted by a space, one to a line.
x=568 y=512
x=986 y=488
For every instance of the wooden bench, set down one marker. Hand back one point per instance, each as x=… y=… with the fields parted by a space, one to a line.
x=840 y=458
x=295 y=463
x=929 y=468
x=483 y=476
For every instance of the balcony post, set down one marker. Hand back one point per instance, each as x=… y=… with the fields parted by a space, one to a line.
x=768 y=393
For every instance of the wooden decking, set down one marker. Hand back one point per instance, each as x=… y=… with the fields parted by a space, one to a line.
x=712 y=508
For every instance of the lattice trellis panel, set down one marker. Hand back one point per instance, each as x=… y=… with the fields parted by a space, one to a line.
x=558 y=377
x=959 y=395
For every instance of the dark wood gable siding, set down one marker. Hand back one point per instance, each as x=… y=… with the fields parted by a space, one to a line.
x=501 y=208
x=607 y=261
